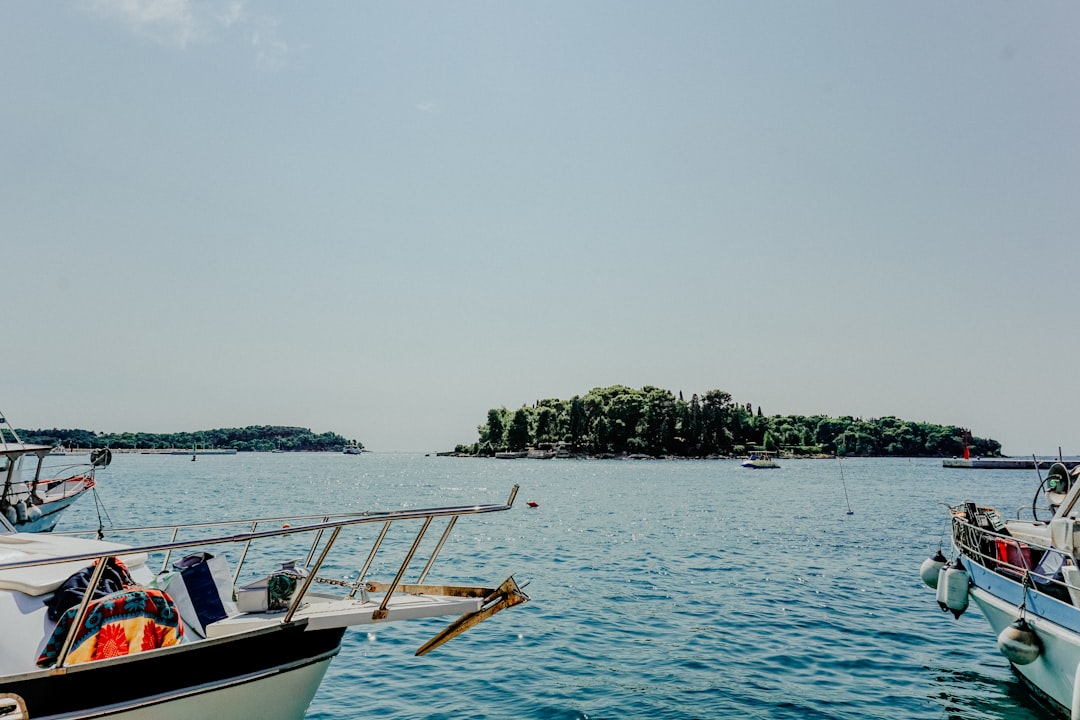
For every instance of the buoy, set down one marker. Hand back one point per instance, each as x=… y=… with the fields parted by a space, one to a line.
x=9 y=513
x=33 y=513
x=1019 y=643
x=286 y=526
x=952 y=588
x=931 y=567
x=533 y=504
x=20 y=511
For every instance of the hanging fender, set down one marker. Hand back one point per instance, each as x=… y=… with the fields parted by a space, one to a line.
x=952 y=588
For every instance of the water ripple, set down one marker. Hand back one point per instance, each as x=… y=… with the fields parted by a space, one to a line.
x=660 y=590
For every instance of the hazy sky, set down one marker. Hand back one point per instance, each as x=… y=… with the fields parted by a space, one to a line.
x=382 y=219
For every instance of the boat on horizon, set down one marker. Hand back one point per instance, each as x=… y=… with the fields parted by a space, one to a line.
x=353 y=448
x=95 y=628
x=34 y=495
x=1024 y=576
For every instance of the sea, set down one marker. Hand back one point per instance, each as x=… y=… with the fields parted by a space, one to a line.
x=659 y=588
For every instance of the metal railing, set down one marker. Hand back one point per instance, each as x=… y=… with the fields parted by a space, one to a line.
x=1017 y=559
x=322 y=523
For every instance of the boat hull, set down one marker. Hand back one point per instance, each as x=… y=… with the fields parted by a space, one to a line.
x=50 y=515
x=1057 y=625
x=271 y=674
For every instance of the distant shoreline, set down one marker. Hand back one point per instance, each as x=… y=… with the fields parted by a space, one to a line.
x=616 y=456
x=150 y=451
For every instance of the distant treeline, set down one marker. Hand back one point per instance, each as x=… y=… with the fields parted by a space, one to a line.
x=652 y=421
x=253 y=438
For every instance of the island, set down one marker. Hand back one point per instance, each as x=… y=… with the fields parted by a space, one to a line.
x=618 y=421
x=254 y=438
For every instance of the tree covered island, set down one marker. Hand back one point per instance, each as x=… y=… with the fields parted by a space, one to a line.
x=618 y=420
x=257 y=438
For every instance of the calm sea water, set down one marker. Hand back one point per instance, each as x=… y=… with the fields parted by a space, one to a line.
x=661 y=589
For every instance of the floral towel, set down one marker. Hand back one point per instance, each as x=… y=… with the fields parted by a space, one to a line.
x=123 y=623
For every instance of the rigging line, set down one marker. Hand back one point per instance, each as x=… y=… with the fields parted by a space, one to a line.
x=844 y=482
x=946 y=527
x=100 y=506
x=1024 y=585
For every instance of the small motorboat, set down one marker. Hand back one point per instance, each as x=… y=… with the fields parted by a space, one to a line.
x=94 y=628
x=34 y=496
x=1024 y=576
x=760 y=461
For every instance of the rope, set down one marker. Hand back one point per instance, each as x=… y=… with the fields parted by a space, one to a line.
x=100 y=506
x=1024 y=585
x=280 y=587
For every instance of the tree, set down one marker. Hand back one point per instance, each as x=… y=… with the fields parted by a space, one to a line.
x=517 y=435
x=493 y=433
x=657 y=435
x=619 y=419
x=545 y=425
x=578 y=422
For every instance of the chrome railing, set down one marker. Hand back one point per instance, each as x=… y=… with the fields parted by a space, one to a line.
x=1018 y=559
x=315 y=524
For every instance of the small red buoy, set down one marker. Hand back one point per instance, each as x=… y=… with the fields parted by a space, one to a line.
x=286 y=525
x=532 y=504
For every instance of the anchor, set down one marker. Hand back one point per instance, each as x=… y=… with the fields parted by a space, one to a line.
x=506 y=595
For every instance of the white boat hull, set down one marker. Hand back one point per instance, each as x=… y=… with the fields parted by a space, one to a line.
x=48 y=515
x=269 y=673
x=278 y=696
x=1053 y=673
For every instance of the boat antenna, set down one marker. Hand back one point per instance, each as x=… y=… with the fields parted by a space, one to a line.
x=844 y=482
x=1041 y=488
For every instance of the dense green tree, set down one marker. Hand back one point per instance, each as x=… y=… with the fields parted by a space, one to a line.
x=493 y=433
x=658 y=422
x=619 y=419
x=579 y=423
x=255 y=437
x=693 y=429
x=517 y=435
x=546 y=428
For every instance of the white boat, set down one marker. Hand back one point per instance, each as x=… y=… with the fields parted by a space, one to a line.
x=168 y=642
x=1024 y=576
x=33 y=496
x=760 y=461
x=353 y=448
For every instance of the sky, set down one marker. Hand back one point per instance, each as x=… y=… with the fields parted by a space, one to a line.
x=383 y=219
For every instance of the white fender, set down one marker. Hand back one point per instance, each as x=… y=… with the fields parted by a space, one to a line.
x=931 y=567
x=1019 y=643
x=952 y=589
